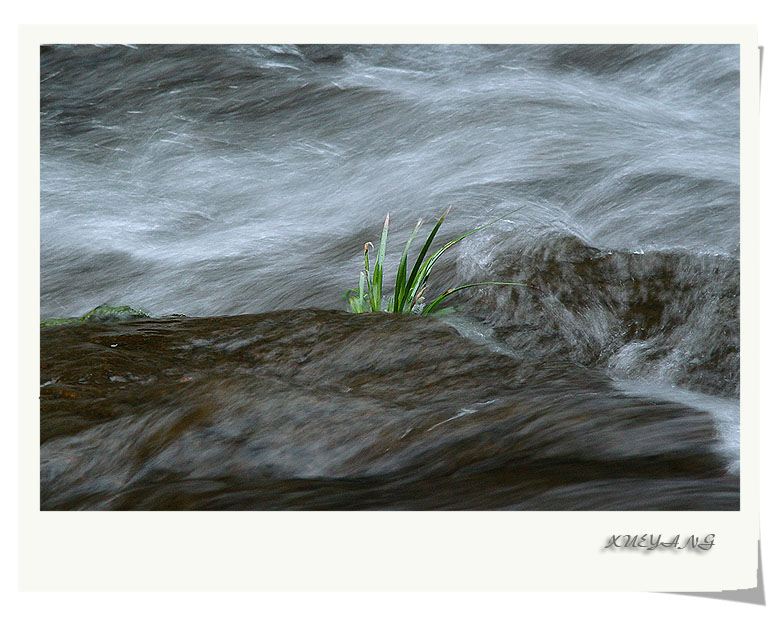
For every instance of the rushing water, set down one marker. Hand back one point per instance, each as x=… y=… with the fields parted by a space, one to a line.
x=228 y=180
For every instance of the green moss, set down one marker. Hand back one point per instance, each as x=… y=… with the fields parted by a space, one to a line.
x=101 y=313
x=59 y=322
x=113 y=313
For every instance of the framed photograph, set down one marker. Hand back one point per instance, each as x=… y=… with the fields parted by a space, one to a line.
x=383 y=288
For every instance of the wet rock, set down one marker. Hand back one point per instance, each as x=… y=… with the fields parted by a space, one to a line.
x=323 y=409
x=665 y=315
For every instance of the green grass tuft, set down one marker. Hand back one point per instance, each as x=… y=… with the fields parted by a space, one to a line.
x=407 y=297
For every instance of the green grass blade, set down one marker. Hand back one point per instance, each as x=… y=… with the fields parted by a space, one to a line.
x=346 y=295
x=429 y=307
x=410 y=288
x=445 y=311
x=400 y=279
x=376 y=286
x=366 y=267
x=358 y=305
x=408 y=291
x=362 y=289
x=451 y=243
x=365 y=256
x=427 y=267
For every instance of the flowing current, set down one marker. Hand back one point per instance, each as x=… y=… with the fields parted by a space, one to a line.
x=244 y=180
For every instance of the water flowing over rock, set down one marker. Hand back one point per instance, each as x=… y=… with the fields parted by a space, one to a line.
x=223 y=180
x=666 y=315
x=322 y=409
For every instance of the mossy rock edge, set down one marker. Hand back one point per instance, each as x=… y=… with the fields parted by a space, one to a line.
x=103 y=312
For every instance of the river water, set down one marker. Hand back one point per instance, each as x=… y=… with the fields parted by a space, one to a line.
x=230 y=180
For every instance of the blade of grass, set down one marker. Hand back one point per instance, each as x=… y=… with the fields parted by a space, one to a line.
x=365 y=255
x=418 y=297
x=362 y=290
x=429 y=307
x=346 y=295
x=367 y=268
x=356 y=305
x=410 y=290
x=375 y=294
x=400 y=279
x=427 y=267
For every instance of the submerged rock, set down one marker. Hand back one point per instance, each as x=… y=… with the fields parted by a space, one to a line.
x=322 y=409
x=669 y=315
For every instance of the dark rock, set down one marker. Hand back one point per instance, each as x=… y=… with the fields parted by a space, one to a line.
x=322 y=409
